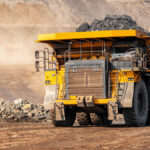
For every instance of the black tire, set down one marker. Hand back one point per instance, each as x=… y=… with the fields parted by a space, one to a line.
x=70 y=115
x=148 y=119
x=83 y=118
x=137 y=115
x=106 y=122
x=95 y=119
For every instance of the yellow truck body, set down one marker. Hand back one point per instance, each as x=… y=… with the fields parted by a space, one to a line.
x=97 y=74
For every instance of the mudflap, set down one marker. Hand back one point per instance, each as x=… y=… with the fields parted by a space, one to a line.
x=59 y=111
x=112 y=110
x=113 y=113
x=127 y=101
x=50 y=96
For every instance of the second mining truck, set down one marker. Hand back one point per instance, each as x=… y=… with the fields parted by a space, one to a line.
x=97 y=77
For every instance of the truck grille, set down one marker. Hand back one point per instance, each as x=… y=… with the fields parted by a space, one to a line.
x=85 y=78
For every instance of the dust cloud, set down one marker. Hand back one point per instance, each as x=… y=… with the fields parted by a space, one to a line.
x=22 y=20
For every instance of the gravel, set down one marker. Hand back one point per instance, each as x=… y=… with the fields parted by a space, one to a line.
x=22 y=111
x=111 y=22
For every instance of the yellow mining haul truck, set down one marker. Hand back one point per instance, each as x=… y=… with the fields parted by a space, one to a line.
x=97 y=77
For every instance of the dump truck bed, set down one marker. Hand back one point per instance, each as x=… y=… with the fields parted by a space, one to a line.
x=109 y=35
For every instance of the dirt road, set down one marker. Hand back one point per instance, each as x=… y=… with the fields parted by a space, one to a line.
x=36 y=136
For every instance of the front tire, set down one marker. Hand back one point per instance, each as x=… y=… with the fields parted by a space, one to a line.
x=137 y=115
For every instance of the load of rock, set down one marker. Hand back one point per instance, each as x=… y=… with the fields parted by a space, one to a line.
x=22 y=110
x=111 y=22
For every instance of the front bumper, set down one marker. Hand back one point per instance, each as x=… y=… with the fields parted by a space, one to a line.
x=96 y=101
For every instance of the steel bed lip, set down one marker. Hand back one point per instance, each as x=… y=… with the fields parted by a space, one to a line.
x=91 y=35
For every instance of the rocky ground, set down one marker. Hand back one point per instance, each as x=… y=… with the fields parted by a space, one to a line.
x=34 y=136
x=22 y=111
x=21 y=94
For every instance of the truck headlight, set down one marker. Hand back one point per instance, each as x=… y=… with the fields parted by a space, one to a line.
x=37 y=54
x=37 y=66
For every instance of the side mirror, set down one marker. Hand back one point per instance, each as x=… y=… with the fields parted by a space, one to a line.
x=37 y=66
x=37 y=54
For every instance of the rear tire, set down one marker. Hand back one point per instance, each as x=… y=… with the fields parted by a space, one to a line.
x=95 y=119
x=70 y=115
x=137 y=115
x=83 y=118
